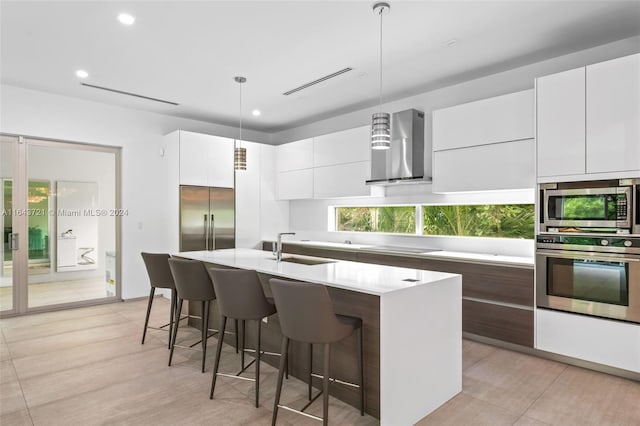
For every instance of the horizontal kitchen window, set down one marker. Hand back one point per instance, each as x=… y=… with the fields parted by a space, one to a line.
x=487 y=220
x=387 y=219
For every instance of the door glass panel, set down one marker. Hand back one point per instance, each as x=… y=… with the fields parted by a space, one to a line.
x=72 y=227
x=6 y=254
x=596 y=281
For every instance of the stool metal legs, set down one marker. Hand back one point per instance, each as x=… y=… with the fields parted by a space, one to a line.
x=325 y=385
x=205 y=330
x=172 y=317
x=326 y=379
x=146 y=320
x=256 y=360
x=218 y=352
x=284 y=350
x=175 y=331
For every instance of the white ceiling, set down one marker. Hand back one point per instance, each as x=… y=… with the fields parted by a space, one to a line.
x=189 y=52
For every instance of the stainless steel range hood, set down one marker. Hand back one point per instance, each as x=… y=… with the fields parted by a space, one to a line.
x=404 y=161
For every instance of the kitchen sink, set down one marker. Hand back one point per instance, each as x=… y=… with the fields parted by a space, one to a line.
x=306 y=260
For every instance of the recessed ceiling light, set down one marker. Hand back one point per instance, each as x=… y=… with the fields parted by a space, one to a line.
x=126 y=19
x=82 y=74
x=256 y=112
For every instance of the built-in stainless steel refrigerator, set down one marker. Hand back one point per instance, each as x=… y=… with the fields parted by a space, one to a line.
x=207 y=218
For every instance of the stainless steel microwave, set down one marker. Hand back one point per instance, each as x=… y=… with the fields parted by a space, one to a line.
x=607 y=207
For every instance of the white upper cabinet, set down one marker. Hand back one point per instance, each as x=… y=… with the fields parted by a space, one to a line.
x=589 y=122
x=295 y=155
x=206 y=160
x=499 y=119
x=328 y=166
x=485 y=145
x=561 y=123
x=508 y=165
x=342 y=180
x=294 y=185
x=613 y=115
x=348 y=146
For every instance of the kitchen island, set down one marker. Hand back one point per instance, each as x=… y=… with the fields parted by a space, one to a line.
x=411 y=324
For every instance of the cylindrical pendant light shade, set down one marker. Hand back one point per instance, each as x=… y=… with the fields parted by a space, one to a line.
x=381 y=131
x=240 y=159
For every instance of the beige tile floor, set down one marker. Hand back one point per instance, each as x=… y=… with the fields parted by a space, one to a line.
x=86 y=367
x=56 y=292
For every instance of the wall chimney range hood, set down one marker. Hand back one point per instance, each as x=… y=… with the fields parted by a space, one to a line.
x=404 y=161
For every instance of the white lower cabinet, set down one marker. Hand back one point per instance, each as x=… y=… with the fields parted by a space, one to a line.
x=508 y=165
x=342 y=180
x=602 y=341
x=294 y=185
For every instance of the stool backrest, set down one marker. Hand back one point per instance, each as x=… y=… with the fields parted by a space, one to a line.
x=306 y=313
x=240 y=294
x=158 y=269
x=192 y=280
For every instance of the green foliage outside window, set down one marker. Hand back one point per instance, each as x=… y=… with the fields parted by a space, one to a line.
x=393 y=219
x=502 y=221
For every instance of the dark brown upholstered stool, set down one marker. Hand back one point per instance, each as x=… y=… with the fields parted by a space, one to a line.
x=306 y=315
x=157 y=265
x=193 y=284
x=241 y=297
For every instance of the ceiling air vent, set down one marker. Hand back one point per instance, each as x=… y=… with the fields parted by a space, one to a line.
x=121 y=92
x=320 y=80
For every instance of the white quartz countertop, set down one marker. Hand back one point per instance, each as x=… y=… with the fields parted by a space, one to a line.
x=361 y=277
x=482 y=258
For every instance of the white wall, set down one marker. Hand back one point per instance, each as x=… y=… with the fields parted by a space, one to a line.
x=146 y=176
x=309 y=218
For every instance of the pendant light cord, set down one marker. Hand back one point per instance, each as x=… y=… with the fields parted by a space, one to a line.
x=380 y=94
x=240 y=140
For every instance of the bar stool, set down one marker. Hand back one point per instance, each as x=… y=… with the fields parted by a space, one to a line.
x=241 y=297
x=193 y=284
x=306 y=315
x=157 y=265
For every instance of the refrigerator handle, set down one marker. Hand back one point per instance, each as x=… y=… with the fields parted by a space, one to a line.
x=206 y=232
x=213 y=232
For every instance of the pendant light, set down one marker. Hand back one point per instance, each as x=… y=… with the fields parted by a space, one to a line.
x=240 y=153
x=381 y=121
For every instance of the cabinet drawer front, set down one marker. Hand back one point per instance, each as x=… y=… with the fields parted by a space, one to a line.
x=496 y=283
x=383 y=259
x=498 y=322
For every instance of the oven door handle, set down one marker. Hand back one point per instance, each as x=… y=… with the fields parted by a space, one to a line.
x=586 y=256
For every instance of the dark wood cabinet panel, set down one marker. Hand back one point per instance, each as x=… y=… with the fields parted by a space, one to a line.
x=493 y=283
x=498 y=322
x=390 y=260
x=498 y=283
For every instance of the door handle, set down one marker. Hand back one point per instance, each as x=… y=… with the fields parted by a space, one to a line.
x=206 y=232
x=14 y=241
x=213 y=232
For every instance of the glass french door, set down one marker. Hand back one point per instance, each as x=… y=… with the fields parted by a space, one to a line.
x=60 y=220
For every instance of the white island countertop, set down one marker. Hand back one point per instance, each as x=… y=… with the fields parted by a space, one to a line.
x=361 y=277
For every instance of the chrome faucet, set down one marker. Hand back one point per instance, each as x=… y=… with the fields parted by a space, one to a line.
x=276 y=248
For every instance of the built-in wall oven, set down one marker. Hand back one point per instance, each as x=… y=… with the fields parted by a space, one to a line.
x=589 y=274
